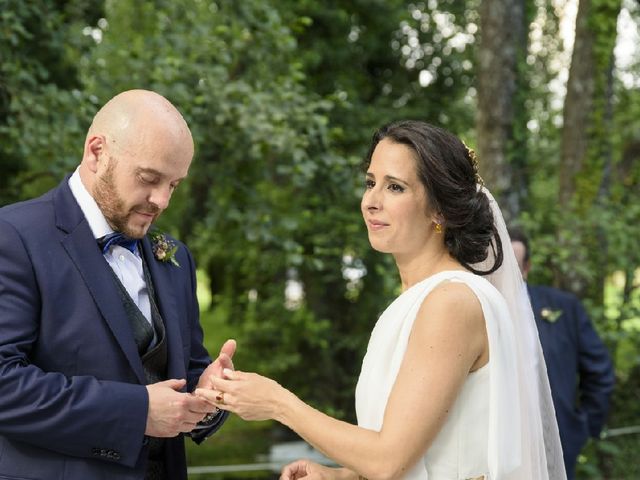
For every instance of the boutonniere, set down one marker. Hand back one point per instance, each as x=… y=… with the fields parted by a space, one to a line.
x=163 y=249
x=549 y=315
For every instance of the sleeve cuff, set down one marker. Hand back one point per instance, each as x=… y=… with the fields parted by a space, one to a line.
x=204 y=430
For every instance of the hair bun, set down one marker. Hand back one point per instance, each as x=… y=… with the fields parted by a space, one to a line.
x=470 y=237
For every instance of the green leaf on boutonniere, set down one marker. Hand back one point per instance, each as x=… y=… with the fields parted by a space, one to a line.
x=549 y=315
x=163 y=248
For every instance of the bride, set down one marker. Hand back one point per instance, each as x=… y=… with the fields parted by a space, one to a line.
x=453 y=384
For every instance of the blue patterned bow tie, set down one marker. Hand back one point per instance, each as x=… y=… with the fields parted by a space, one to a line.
x=117 y=238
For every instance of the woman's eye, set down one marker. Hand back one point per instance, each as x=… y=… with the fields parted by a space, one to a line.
x=394 y=187
x=369 y=184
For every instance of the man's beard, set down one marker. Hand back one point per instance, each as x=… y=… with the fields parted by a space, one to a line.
x=113 y=206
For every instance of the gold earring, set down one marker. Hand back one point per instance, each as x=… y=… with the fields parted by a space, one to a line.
x=438 y=228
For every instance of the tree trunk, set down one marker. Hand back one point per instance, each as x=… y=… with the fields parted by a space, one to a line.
x=578 y=105
x=499 y=52
x=586 y=151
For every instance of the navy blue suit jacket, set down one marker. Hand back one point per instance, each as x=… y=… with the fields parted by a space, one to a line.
x=73 y=404
x=579 y=367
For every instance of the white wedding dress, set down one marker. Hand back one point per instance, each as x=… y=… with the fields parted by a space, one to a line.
x=479 y=438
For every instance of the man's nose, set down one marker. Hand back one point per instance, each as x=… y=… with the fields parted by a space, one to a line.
x=160 y=197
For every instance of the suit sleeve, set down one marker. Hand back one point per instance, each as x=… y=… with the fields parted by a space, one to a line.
x=595 y=371
x=79 y=416
x=200 y=359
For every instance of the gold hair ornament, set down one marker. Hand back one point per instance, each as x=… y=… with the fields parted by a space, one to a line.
x=474 y=163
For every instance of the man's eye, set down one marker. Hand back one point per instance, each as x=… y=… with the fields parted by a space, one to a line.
x=148 y=180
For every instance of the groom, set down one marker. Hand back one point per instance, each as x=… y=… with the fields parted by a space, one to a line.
x=100 y=341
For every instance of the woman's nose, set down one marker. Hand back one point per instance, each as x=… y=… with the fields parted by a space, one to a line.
x=372 y=199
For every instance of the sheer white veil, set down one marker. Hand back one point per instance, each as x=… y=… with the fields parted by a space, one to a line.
x=532 y=407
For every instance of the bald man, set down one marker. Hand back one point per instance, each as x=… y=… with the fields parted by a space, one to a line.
x=100 y=341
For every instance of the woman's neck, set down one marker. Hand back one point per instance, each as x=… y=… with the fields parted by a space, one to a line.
x=416 y=268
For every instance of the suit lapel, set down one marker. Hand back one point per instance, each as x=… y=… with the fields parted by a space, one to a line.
x=535 y=305
x=85 y=254
x=165 y=287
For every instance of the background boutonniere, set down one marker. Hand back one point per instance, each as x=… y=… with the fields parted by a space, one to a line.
x=549 y=315
x=163 y=249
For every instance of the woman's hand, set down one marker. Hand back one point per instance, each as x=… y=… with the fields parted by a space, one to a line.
x=248 y=395
x=312 y=471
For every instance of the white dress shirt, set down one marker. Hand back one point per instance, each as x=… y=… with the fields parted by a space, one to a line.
x=125 y=264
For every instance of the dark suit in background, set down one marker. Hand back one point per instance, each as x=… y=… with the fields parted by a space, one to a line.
x=579 y=367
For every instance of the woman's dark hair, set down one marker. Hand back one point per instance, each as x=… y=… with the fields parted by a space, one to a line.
x=446 y=168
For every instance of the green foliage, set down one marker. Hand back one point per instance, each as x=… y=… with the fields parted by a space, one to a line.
x=282 y=98
x=368 y=58
x=268 y=199
x=43 y=114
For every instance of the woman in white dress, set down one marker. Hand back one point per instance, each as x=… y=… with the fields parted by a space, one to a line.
x=453 y=384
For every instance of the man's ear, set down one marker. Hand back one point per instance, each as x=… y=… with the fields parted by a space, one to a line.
x=527 y=267
x=94 y=147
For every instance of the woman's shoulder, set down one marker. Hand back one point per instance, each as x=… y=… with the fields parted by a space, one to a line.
x=452 y=313
x=454 y=287
x=471 y=280
x=449 y=292
x=459 y=290
x=453 y=293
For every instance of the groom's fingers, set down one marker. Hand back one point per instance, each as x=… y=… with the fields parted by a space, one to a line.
x=170 y=411
x=229 y=348
x=174 y=384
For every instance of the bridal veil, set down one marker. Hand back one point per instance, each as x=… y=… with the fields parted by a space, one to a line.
x=524 y=442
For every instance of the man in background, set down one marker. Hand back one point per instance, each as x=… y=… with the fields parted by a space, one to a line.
x=580 y=371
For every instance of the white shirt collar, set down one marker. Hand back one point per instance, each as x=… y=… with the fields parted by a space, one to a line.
x=89 y=207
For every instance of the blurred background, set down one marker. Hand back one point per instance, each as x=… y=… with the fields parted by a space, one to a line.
x=282 y=97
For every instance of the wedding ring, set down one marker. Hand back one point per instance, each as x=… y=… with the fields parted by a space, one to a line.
x=220 y=398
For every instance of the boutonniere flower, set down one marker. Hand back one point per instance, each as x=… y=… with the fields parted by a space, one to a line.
x=163 y=248
x=549 y=315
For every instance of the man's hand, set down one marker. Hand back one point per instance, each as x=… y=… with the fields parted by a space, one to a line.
x=171 y=411
x=223 y=361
